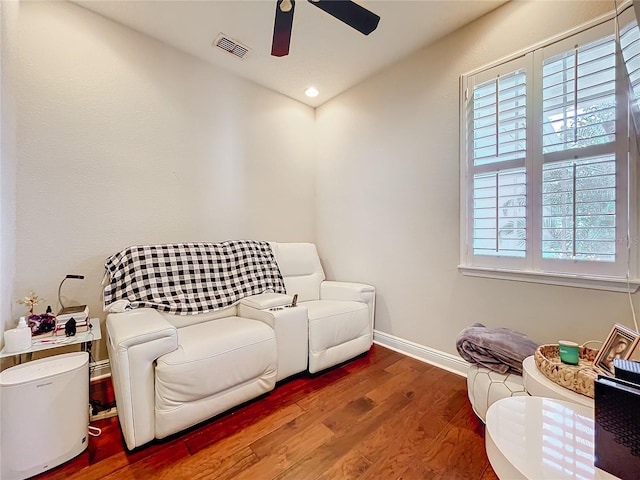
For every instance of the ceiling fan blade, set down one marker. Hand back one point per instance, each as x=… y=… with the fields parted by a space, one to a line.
x=282 y=26
x=354 y=15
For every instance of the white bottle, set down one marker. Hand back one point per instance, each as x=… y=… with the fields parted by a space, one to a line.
x=19 y=338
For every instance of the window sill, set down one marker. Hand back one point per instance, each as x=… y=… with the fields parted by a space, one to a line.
x=565 y=280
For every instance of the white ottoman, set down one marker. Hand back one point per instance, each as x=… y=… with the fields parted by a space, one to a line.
x=485 y=387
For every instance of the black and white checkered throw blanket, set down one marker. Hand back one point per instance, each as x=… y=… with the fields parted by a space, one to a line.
x=190 y=278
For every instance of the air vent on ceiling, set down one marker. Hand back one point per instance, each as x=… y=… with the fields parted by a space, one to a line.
x=228 y=45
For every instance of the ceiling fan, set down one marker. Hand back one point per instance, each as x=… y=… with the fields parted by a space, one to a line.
x=346 y=11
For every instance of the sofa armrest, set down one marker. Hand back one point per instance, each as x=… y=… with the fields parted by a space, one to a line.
x=291 y=326
x=267 y=300
x=136 y=339
x=355 y=292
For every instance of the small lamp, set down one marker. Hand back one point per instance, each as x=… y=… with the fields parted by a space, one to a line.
x=62 y=307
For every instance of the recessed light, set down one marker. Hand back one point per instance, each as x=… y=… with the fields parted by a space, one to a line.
x=311 y=92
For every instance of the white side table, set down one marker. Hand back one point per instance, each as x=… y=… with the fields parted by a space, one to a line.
x=47 y=343
x=540 y=386
x=541 y=438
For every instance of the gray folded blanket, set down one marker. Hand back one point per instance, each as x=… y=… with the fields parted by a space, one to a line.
x=499 y=349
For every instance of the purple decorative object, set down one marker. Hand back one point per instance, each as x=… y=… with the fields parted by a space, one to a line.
x=41 y=324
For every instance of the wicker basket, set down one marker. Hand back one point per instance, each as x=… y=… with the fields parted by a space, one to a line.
x=579 y=378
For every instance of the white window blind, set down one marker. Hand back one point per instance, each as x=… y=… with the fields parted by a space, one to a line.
x=499 y=119
x=579 y=96
x=579 y=209
x=498 y=148
x=579 y=183
x=500 y=213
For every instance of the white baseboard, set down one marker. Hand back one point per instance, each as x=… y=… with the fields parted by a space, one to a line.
x=446 y=361
x=100 y=369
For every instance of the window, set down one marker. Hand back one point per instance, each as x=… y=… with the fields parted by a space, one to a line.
x=497 y=153
x=545 y=188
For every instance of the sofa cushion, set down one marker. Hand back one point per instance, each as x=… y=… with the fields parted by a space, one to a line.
x=180 y=321
x=300 y=267
x=212 y=357
x=334 y=322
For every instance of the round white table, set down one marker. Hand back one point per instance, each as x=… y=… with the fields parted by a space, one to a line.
x=541 y=438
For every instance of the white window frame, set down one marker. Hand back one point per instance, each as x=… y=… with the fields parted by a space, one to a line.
x=533 y=268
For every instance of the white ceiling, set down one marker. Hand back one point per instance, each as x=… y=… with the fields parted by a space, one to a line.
x=324 y=52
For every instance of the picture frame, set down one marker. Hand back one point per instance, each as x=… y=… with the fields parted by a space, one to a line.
x=620 y=343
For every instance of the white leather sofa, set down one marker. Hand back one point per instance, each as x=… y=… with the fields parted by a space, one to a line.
x=340 y=313
x=170 y=372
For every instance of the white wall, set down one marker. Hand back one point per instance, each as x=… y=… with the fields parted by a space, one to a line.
x=388 y=193
x=123 y=140
x=8 y=72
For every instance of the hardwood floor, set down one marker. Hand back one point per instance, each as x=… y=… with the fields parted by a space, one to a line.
x=381 y=416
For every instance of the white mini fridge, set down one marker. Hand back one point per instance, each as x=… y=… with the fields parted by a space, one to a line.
x=44 y=414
